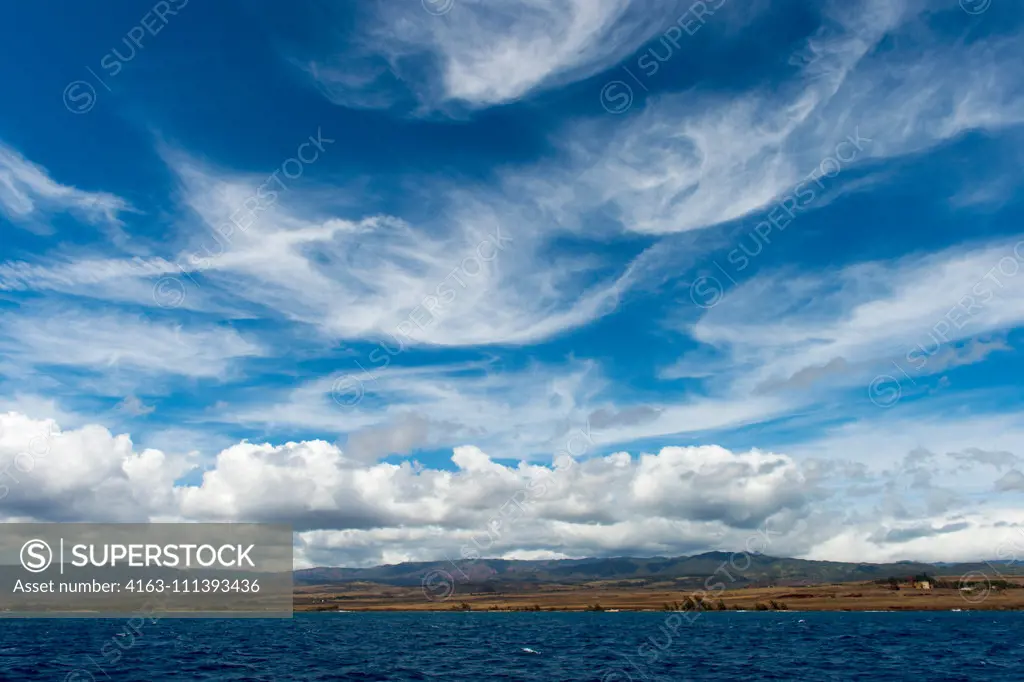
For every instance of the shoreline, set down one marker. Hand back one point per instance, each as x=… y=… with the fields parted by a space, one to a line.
x=602 y=598
x=793 y=612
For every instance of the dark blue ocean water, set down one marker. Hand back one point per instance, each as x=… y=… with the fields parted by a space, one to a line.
x=604 y=647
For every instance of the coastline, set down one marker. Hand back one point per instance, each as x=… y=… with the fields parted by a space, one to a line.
x=858 y=596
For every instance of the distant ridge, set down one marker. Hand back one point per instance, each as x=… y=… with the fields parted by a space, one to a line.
x=740 y=570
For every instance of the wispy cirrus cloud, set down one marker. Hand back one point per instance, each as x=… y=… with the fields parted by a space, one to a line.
x=525 y=412
x=29 y=196
x=465 y=278
x=485 y=53
x=685 y=163
x=74 y=337
x=688 y=161
x=861 y=319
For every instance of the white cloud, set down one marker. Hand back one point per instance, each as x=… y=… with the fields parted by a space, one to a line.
x=346 y=511
x=486 y=53
x=466 y=278
x=108 y=278
x=316 y=486
x=392 y=408
x=28 y=195
x=103 y=341
x=907 y=311
x=688 y=161
x=956 y=448
x=82 y=474
x=528 y=413
x=712 y=483
x=691 y=160
x=992 y=534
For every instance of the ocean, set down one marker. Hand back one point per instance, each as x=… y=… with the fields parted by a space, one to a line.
x=603 y=647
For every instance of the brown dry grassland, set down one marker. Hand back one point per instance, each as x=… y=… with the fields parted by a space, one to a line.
x=864 y=596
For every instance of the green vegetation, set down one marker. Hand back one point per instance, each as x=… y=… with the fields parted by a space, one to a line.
x=689 y=573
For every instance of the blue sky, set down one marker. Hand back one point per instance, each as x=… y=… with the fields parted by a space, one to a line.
x=266 y=261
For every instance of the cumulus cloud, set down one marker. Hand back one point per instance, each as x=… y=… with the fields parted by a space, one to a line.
x=347 y=511
x=707 y=483
x=90 y=474
x=83 y=474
